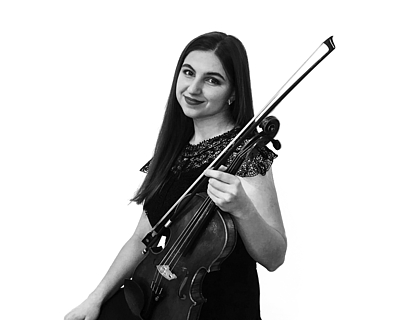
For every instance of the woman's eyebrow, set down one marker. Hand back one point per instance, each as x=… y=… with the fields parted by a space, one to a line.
x=186 y=65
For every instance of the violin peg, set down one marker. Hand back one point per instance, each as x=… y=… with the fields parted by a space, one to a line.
x=276 y=143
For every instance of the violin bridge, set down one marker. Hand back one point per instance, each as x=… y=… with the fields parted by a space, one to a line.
x=166 y=272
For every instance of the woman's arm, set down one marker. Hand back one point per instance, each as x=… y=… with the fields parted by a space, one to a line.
x=253 y=203
x=125 y=262
x=122 y=268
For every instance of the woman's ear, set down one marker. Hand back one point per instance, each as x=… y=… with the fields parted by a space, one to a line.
x=232 y=98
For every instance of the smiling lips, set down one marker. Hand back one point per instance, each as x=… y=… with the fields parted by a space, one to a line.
x=192 y=102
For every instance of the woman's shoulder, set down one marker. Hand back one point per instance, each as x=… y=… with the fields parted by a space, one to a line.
x=258 y=163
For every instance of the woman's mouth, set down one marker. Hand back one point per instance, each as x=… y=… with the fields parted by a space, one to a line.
x=192 y=102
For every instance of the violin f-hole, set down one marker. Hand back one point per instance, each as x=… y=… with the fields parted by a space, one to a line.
x=181 y=295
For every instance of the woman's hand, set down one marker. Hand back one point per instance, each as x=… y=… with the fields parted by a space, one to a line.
x=227 y=192
x=254 y=204
x=87 y=310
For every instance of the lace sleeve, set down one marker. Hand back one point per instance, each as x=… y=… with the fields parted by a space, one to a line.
x=261 y=163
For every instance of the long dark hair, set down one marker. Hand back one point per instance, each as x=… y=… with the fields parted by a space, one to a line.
x=177 y=129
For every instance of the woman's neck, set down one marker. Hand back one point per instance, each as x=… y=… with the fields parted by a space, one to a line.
x=208 y=128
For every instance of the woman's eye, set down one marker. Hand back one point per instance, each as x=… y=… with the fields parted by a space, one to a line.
x=213 y=81
x=187 y=72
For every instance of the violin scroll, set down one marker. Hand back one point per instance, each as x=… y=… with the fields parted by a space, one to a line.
x=270 y=126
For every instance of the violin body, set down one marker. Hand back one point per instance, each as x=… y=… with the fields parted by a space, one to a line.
x=167 y=284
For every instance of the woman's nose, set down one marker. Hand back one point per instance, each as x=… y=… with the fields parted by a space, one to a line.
x=195 y=87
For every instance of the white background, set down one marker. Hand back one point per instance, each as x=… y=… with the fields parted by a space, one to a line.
x=83 y=85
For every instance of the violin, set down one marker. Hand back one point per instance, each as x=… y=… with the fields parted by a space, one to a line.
x=167 y=283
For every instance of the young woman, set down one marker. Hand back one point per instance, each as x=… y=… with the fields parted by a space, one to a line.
x=210 y=100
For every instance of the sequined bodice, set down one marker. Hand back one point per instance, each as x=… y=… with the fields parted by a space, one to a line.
x=203 y=153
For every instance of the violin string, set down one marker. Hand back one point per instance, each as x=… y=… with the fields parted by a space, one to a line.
x=187 y=229
x=181 y=245
x=176 y=251
x=178 y=243
x=185 y=236
x=208 y=202
x=184 y=244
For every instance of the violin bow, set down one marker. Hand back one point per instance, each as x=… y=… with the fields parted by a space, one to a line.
x=314 y=60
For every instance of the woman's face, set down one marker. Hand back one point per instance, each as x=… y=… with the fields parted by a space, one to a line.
x=203 y=88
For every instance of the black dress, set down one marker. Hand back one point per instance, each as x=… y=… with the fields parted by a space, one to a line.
x=233 y=291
